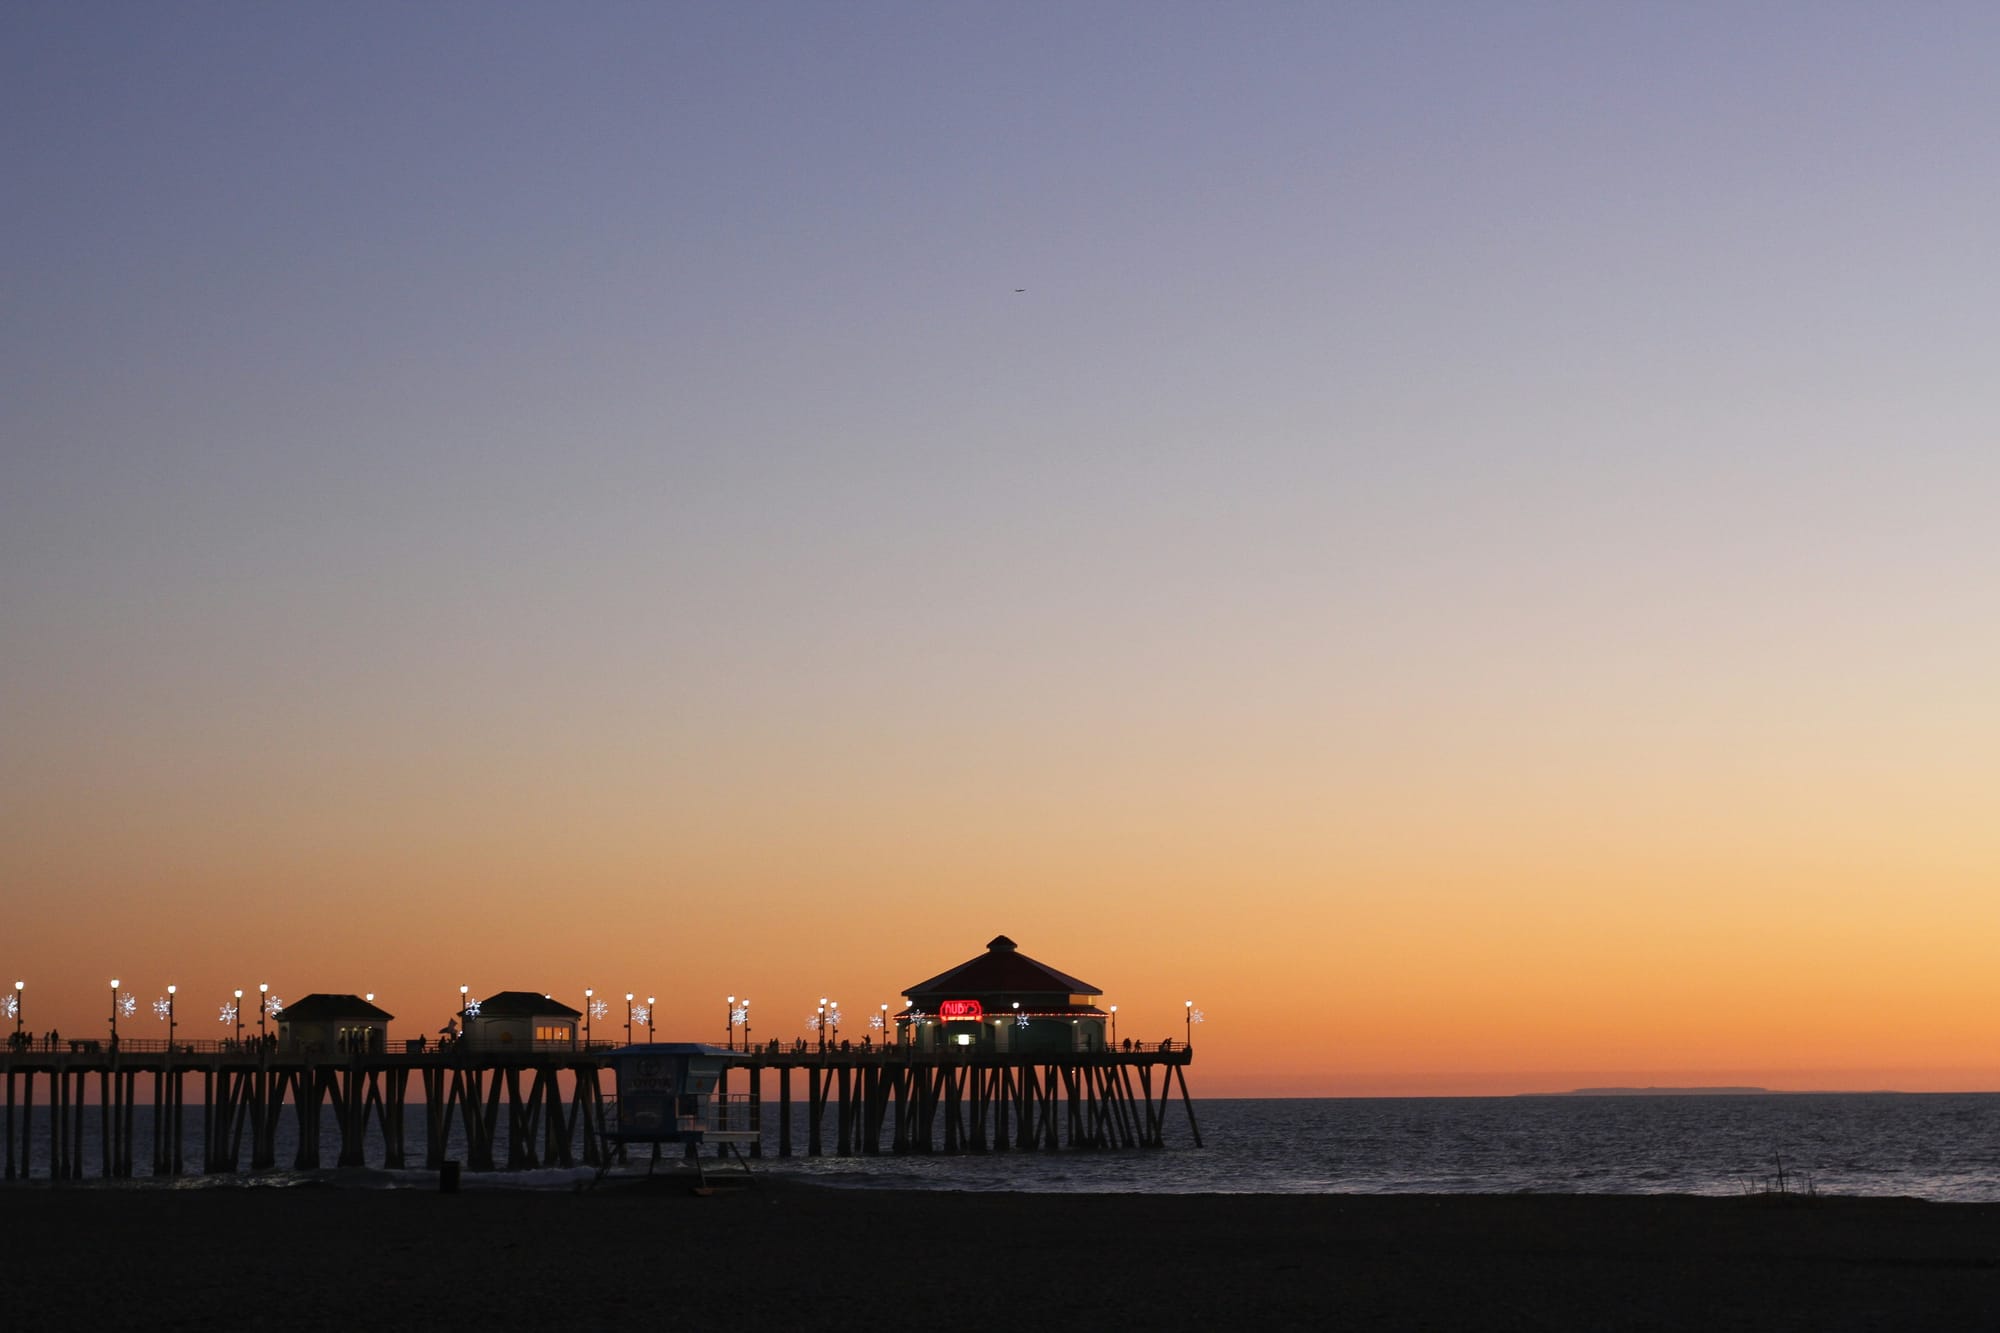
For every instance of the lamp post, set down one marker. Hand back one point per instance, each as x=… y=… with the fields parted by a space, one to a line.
x=236 y=1010
x=652 y=1019
x=20 y=1001
x=588 y=994
x=885 y=1025
x=729 y=1026
x=1114 y=1025
x=170 y=1015
x=746 y=1025
x=114 y=1011
x=1189 y=1009
x=263 y=999
x=628 y=1018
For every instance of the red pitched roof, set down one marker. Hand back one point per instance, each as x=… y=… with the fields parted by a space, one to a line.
x=1002 y=968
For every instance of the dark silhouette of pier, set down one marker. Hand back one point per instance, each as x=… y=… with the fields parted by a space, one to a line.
x=547 y=1102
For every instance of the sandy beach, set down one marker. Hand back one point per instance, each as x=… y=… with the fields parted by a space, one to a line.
x=784 y=1255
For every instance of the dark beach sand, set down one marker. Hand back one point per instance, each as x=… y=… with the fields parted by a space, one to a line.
x=785 y=1256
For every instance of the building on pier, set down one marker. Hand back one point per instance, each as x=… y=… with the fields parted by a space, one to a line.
x=525 y=1020
x=322 y=1024
x=1003 y=1002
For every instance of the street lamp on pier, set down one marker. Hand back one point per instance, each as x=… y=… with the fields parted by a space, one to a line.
x=263 y=1001
x=236 y=1012
x=171 y=988
x=1114 y=1025
x=628 y=1018
x=589 y=1003
x=729 y=1026
x=114 y=1011
x=652 y=1019
x=20 y=1002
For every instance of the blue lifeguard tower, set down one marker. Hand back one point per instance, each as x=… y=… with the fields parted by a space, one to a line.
x=666 y=1094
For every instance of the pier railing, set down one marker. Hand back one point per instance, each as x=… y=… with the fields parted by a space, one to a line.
x=252 y=1047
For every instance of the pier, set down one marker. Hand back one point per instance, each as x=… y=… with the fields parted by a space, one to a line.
x=517 y=1106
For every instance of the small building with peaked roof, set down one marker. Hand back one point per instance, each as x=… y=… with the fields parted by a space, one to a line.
x=521 y=1019
x=324 y=1024
x=1003 y=1001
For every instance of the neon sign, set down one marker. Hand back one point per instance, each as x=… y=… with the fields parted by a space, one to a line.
x=960 y=1009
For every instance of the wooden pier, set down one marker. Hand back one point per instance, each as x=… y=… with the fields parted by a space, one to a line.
x=546 y=1106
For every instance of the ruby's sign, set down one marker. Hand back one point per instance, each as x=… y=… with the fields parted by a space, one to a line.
x=967 y=1009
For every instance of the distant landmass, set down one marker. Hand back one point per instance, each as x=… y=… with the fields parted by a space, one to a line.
x=1660 y=1092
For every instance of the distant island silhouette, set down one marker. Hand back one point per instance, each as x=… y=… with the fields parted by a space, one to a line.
x=1656 y=1092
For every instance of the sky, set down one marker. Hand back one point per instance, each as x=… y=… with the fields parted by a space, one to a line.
x=1457 y=537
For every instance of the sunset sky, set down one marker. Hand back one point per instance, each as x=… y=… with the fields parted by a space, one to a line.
x=1475 y=557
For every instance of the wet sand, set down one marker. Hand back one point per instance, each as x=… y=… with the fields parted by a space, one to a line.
x=780 y=1255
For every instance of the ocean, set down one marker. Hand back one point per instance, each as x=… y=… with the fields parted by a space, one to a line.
x=1940 y=1146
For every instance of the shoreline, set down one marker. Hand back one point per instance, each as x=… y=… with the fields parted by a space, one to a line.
x=784 y=1252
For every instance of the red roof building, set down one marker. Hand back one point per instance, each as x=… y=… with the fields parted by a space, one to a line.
x=1003 y=1001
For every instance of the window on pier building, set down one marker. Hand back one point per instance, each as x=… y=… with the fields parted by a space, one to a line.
x=564 y=1033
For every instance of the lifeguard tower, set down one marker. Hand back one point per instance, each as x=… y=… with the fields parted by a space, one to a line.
x=667 y=1094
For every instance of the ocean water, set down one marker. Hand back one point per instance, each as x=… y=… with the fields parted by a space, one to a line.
x=1933 y=1146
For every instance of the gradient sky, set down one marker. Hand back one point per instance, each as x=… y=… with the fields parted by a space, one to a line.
x=1474 y=557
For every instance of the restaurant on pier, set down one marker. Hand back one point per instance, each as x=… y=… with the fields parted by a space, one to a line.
x=1003 y=1002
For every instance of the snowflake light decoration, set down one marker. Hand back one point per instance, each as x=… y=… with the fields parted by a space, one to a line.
x=471 y=1008
x=1195 y=1016
x=917 y=1016
x=875 y=1021
x=739 y=1015
x=162 y=1007
x=813 y=1022
x=10 y=1007
x=128 y=1004
x=272 y=1005
x=228 y=1013
x=599 y=1008
x=642 y=1016
x=1020 y=1020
